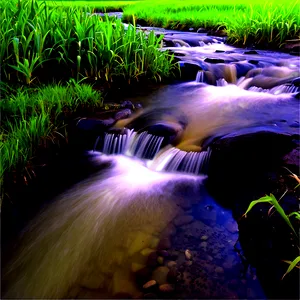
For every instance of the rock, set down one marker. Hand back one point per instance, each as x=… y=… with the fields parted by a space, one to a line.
x=251 y=52
x=183 y=219
x=189 y=70
x=203 y=244
x=219 y=51
x=191 y=29
x=201 y=30
x=95 y=125
x=188 y=254
x=204 y=237
x=160 y=275
x=166 y=288
x=149 y=284
x=141 y=240
x=147 y=251
x=164 y=243
x=122 y=114
x=171 y=264
x=160 y=260
x=294 y=124
x=214 y=60
x=127 y=104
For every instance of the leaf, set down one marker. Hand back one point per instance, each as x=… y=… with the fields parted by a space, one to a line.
x=292 y=264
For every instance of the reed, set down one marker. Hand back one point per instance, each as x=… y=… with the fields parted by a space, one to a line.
x=42 y=44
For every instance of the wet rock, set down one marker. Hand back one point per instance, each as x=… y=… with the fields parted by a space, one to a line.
x=219 y=51
x=95 y=125
x=166 y=288
x=127 y=104
x=149 y=284
x=294 y=124
x=171 y=264
x=188 y=254
x=142 y=240
x=214 y=60
x=251 y=52
x=183 y=219
x=189 y=70
x=147 y=251
x=122 y=114
x=160 y=260
x=160 y=275
x=201 y=30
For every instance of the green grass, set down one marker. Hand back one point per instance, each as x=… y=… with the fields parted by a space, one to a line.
x=37 y=39
x=105 y=5
x=255 y=22
x=32 y=116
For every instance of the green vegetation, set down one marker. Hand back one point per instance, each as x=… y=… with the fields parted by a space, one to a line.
x=34 y=117
x=262 y=23
x=287 y=218
x=37 y=39
x=42 y=45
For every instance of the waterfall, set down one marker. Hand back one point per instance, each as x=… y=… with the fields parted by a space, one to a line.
x=172 y=159
x=280 y=89
x=131 y=143
x=200 y=76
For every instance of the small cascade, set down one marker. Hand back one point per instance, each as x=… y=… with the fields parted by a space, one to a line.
x=130 y=143
x=221 y=82
x=281 y=89
x=200 y=76
x=173 y=159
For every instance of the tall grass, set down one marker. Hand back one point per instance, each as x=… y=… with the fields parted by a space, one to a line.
x=32 y=117
x=42 y=43
x=256 y=22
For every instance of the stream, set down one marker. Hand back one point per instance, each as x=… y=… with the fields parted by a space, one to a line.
x=159 y=216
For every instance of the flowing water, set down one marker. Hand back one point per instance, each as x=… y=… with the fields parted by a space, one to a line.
x=95 y=240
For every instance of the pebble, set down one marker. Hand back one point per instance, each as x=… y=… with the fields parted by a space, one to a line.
x=188 y=254
x=160 y=260
x=182 y=220
x=166 y=288
x=149 y=284
x=171 y=264
x=204 y=237
x=160 y=274
x=203 y=244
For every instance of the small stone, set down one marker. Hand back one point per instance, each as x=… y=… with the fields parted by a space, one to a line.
x=171 y=264
x=203 y=244
x=188 y=254
x=219 y=270
x=160 y=260
x=183 y=220
x=147 y=251
x=160 y=274
x=149 y=284
x=166 y=288
x=204 y=237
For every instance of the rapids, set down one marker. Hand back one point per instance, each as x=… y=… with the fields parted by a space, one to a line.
x=99 y=233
